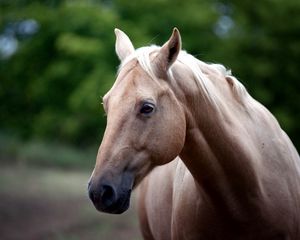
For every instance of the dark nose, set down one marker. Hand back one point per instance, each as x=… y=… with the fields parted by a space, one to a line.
x=104 y=197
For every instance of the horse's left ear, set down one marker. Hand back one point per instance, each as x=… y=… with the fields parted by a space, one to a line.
x=123 y=45
x=169 y=51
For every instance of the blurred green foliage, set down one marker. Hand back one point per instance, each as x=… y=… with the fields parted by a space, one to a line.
x=51 y=86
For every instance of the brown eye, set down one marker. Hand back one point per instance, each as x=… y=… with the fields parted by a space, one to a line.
x=147 y=108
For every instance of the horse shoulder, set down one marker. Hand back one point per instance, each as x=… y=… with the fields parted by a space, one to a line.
x=155 y=202
x=193 y=216
x=172 y=206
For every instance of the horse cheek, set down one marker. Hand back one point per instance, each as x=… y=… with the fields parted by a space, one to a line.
x=172 y=139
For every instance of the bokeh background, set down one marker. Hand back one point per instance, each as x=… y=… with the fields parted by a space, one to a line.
x=56 y=61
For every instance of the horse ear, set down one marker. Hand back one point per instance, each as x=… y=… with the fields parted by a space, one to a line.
x=169 y=51
x=123 y=45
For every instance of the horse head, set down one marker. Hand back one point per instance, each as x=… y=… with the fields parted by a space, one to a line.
x=145 y=124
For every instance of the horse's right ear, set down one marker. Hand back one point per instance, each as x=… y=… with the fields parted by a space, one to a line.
x=123 y=45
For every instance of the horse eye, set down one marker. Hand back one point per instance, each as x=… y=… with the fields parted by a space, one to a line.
x=147 y=108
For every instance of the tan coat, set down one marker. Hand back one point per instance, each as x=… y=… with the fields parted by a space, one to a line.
x=238 y=175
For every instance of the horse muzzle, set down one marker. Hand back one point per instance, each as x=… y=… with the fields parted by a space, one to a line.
x=109 y=197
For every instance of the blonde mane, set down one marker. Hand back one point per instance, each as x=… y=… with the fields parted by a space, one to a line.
x=195 y=66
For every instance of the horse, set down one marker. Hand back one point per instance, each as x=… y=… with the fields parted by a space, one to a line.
x=211 y=162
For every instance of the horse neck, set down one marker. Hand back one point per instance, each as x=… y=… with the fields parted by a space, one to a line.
x=220 y=162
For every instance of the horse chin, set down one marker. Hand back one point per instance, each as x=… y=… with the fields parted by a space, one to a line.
x=122 y=205
x=119 y=207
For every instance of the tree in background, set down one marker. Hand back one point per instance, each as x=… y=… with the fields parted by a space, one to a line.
x=51 y=86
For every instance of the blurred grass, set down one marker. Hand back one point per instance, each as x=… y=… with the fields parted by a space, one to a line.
x=43 y=195
x=52 y=204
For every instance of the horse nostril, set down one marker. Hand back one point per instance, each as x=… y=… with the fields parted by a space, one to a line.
x=103 y=196
x=107 y=195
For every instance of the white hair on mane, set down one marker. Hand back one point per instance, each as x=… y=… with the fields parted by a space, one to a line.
x=143 y=56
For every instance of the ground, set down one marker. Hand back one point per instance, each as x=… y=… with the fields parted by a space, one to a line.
x=53 y=205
